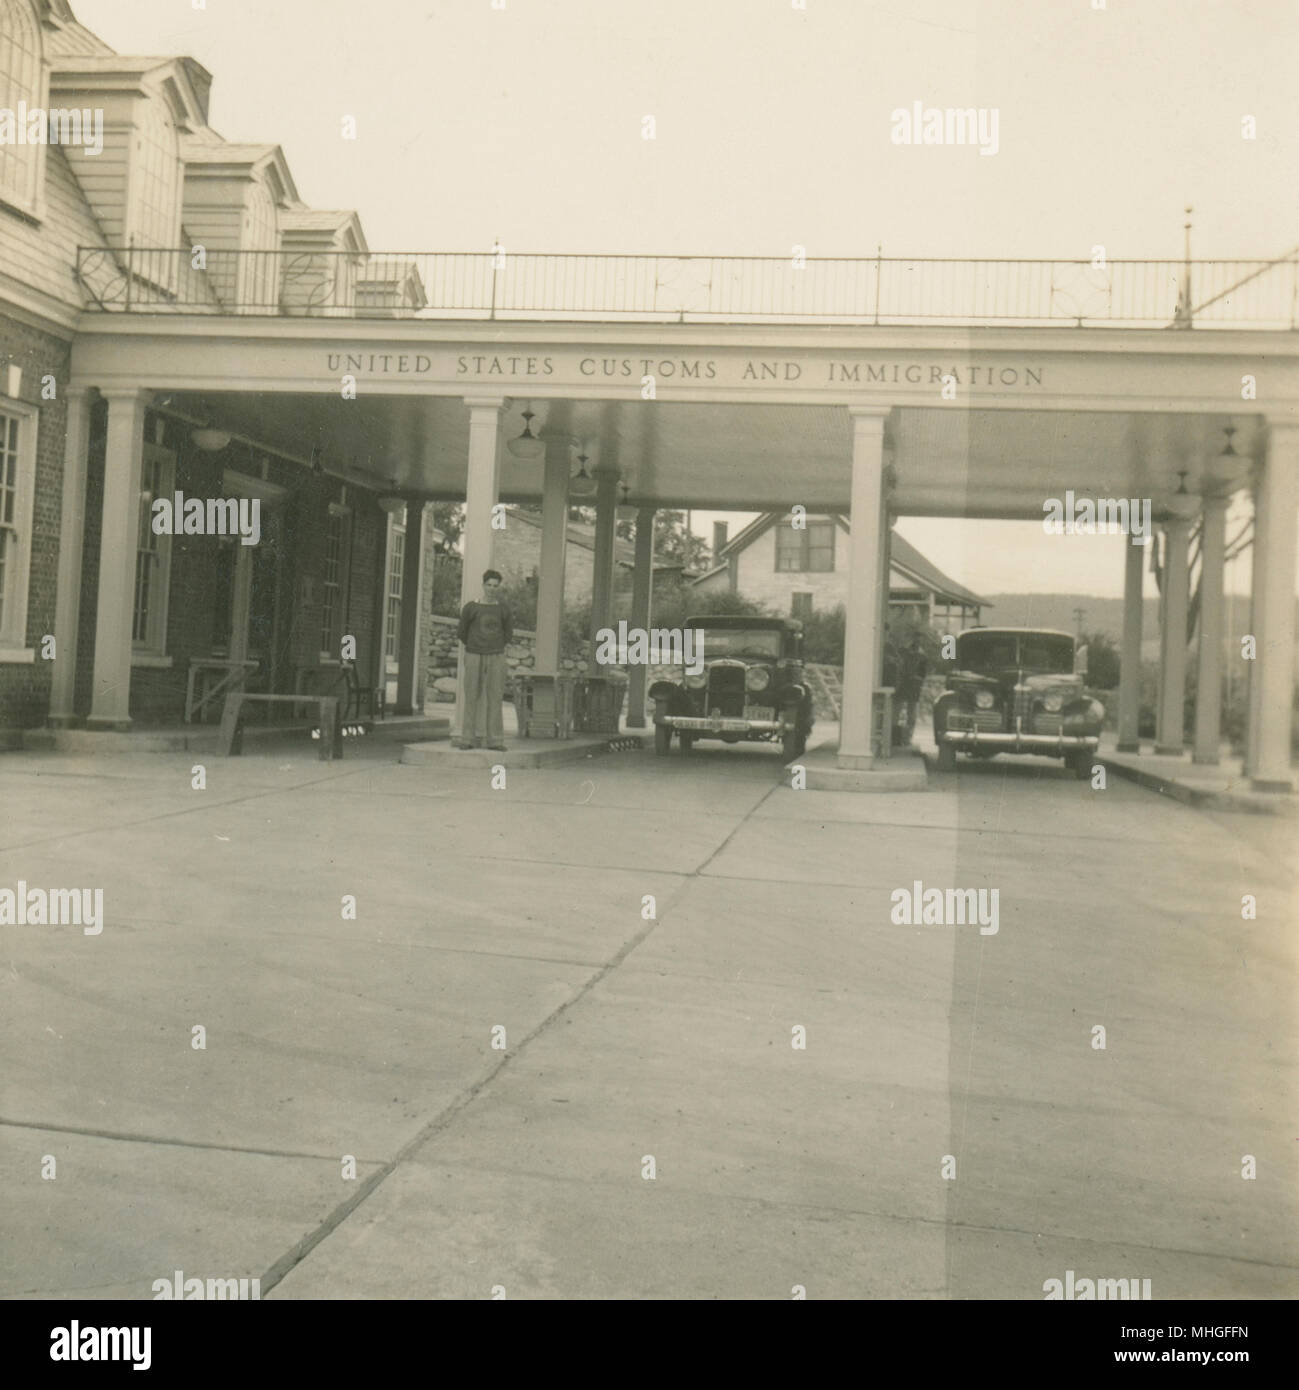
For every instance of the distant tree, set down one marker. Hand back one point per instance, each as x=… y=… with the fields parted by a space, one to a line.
x=445 y=599
x=449 y=518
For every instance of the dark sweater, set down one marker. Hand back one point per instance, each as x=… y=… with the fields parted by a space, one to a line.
x=485 y=628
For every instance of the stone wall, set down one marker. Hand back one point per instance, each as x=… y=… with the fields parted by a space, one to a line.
x=520 y=656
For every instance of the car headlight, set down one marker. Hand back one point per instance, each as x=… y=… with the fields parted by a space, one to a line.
x=984 y=699
x=1053 y=704
x=697 y=682
x=757 y=678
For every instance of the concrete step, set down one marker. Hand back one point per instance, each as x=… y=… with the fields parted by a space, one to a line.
x=204 y=738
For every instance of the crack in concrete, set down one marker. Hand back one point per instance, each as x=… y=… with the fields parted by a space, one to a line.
x=442 y=1121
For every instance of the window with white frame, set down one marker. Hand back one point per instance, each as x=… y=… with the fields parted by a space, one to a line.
x=333 y=601
x=396 y=561
x=22 y=80
x=152 y=556
x=807 y=550
x=17 y=470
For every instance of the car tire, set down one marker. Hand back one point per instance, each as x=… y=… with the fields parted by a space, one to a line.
x=662 y=739
x=686 y=740
x=1080 y=764
x=946 y=758
x=792 y=744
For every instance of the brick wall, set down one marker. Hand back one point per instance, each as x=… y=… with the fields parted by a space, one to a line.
x=297 y=531
x=25 y=689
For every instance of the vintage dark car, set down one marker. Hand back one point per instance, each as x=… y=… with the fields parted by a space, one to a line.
x=1018 y=690
x=751 y=687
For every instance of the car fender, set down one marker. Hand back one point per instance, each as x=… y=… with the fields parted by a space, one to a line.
x=941 y=706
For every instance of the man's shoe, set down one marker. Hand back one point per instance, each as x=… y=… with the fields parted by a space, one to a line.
x=497 y=747
x=461 y=743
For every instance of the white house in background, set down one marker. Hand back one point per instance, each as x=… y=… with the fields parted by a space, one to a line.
x=805 y=570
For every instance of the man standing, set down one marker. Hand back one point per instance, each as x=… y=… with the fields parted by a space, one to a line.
x=484 y=630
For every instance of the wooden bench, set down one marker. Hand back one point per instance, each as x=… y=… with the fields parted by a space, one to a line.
x=331 y=728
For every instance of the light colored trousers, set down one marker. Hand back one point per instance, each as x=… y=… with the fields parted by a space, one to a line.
x=484 y=690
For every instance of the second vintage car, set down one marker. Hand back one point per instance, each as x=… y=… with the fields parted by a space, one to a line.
x=751 y=687
x=1018 y=690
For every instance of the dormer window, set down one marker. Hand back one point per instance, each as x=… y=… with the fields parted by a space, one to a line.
x=22 y=90
x=157 y=177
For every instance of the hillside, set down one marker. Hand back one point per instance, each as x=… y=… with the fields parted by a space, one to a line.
x=1101 y=615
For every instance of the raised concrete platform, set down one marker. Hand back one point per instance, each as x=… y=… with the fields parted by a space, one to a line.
x=521 y=752
x=203 y=738
x=904 y=772
x=1222 y=786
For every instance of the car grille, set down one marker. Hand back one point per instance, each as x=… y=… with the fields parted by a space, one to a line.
x=986 y=721
x=726 y=690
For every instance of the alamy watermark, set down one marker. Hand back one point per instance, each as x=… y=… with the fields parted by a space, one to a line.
x=35 y=125
x=659 y=646
x=53 y=907
x=178 y=1287
x=211 y=516
x=1100 y=516
x=947 y=125
x=77 y=1343
x=1097 y=1289
x=951 y=907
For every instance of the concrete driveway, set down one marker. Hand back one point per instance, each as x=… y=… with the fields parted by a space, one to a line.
x=644 y=1127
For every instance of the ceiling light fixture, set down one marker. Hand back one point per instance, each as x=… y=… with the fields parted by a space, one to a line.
x=211 y=441
x=581 y=484
x=1227 y=466
x=1183 y=504
x=527 y=445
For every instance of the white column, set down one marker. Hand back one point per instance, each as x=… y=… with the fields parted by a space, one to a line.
x=885 y=562
x=1208 y=668
x=1258 y=568
x=859 y=672
x=1274 y=526
x=1170 y=737
x=606 y=515
x=123 y=465
x=554 y=547
x=642 y=596
x=411 y=662
x=72 y=527
x=482 y=483
x=1134 y=561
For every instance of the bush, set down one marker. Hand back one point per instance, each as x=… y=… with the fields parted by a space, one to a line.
x=823 y=637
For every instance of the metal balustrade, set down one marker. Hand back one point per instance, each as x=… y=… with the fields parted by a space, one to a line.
x=691 y=289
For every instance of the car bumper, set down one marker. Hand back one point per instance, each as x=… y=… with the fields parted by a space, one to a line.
x=694 y=723
x=1021 y=743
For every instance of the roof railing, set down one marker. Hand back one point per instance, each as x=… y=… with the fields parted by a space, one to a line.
x=885 y=290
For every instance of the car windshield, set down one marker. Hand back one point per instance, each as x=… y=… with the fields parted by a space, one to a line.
x=721 y=641
x=1029 y=651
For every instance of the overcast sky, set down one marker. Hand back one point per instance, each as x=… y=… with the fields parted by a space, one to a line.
x=772 y=129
